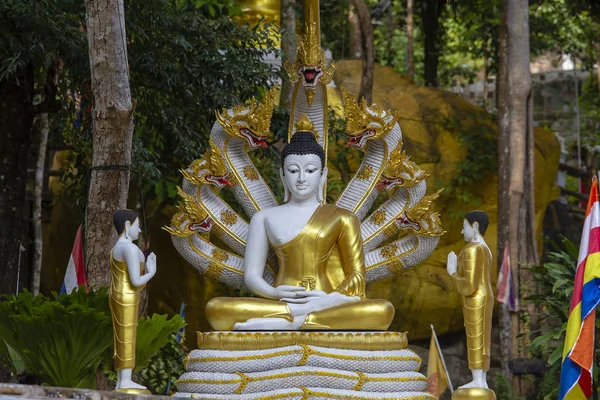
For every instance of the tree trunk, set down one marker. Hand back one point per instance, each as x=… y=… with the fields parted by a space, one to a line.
x=16 y=120
x=113 y=128
x=288 y=48
x=598 y=63
x=44 y=129
x=431 y=11
x=506 y=335
x=516 y=161
x=390 y=34
x=410 y=46
x=486 y=86
x=356 y=48
x=364 y=16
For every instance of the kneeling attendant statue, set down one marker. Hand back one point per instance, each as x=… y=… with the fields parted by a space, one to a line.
x=471 y=275
x=127 y=280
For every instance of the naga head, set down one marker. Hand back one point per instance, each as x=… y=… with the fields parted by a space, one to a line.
x=365 y=123
x=421 y=219
x=189 y=219
x=400 y=171
x=208 y=170
x=250 y=122
x=310 y=65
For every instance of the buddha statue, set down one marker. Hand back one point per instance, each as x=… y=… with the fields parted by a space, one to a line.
x=320 y=283
x=127 y=279
x=470 y=272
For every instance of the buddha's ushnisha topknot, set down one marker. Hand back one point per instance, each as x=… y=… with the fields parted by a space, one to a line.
x=303 y=142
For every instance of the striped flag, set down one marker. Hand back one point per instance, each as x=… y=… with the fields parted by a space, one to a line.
x=578 y=353
x=507 y=294
x=438 y=379
x=75 y=274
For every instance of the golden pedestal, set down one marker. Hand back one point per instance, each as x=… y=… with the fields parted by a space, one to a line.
x=238 y=340
x=473 y=394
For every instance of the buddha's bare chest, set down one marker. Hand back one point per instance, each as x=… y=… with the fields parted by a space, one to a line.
x=284 y=225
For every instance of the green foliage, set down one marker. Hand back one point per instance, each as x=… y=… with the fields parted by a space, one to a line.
x=60 y=339
x=165 y=367
x=63 y=339
x=37 y=33
x=476 y=135
x=554 y=280
x=153 y=333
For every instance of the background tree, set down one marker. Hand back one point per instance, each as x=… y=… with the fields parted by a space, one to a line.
x=33 y=38
x=410 y=50
x=112 y=119
x=431 y=11
x=516 y=217
x=288 y=47
x=366 y=28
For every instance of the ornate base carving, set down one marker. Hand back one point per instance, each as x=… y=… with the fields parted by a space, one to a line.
x=296 y=365
x=268 y=340
x=473 y=394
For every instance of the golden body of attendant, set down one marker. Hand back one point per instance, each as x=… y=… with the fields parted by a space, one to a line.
x=127 y=280
x=321 y=278
x=471 y=275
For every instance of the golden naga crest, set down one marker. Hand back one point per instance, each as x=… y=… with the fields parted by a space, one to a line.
x=310 y=65
x=400 y=171
x=251 y=122
x=190 y=218
x=365 y=123
x=208 y=170
x=421 y=217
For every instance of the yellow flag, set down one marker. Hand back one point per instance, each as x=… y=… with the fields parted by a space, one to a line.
x=437 y=374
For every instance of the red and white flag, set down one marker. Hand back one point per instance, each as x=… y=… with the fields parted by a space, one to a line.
x=75 y=274
x=507 y=293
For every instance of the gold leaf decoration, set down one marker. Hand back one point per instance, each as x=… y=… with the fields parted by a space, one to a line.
x=361 y=118
x=365 y=173
x=389 y=251
x=228 y=218
x=250 y=173
x=213 y=271
x=378 y=217
x=219 y=255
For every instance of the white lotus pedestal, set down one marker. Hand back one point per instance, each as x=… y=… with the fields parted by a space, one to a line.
x=302 y=365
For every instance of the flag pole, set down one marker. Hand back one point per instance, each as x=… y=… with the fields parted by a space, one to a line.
x=442 y=357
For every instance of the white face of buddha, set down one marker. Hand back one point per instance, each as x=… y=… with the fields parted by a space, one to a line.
x=302 y=175
x=134 y=229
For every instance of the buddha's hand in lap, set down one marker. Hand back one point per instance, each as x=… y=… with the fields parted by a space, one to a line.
x=306 y=302
x=283 y=292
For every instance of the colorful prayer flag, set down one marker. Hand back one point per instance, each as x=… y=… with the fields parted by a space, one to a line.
x=75 y=274
x=507 y=293
x=578 y=352
x=438 y=379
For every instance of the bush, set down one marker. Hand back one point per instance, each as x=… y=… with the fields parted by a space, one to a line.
x=62 y=340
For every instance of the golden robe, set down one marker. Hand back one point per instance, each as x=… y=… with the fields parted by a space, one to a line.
x=124 y=300
x=326 y=255
x=473 y=282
